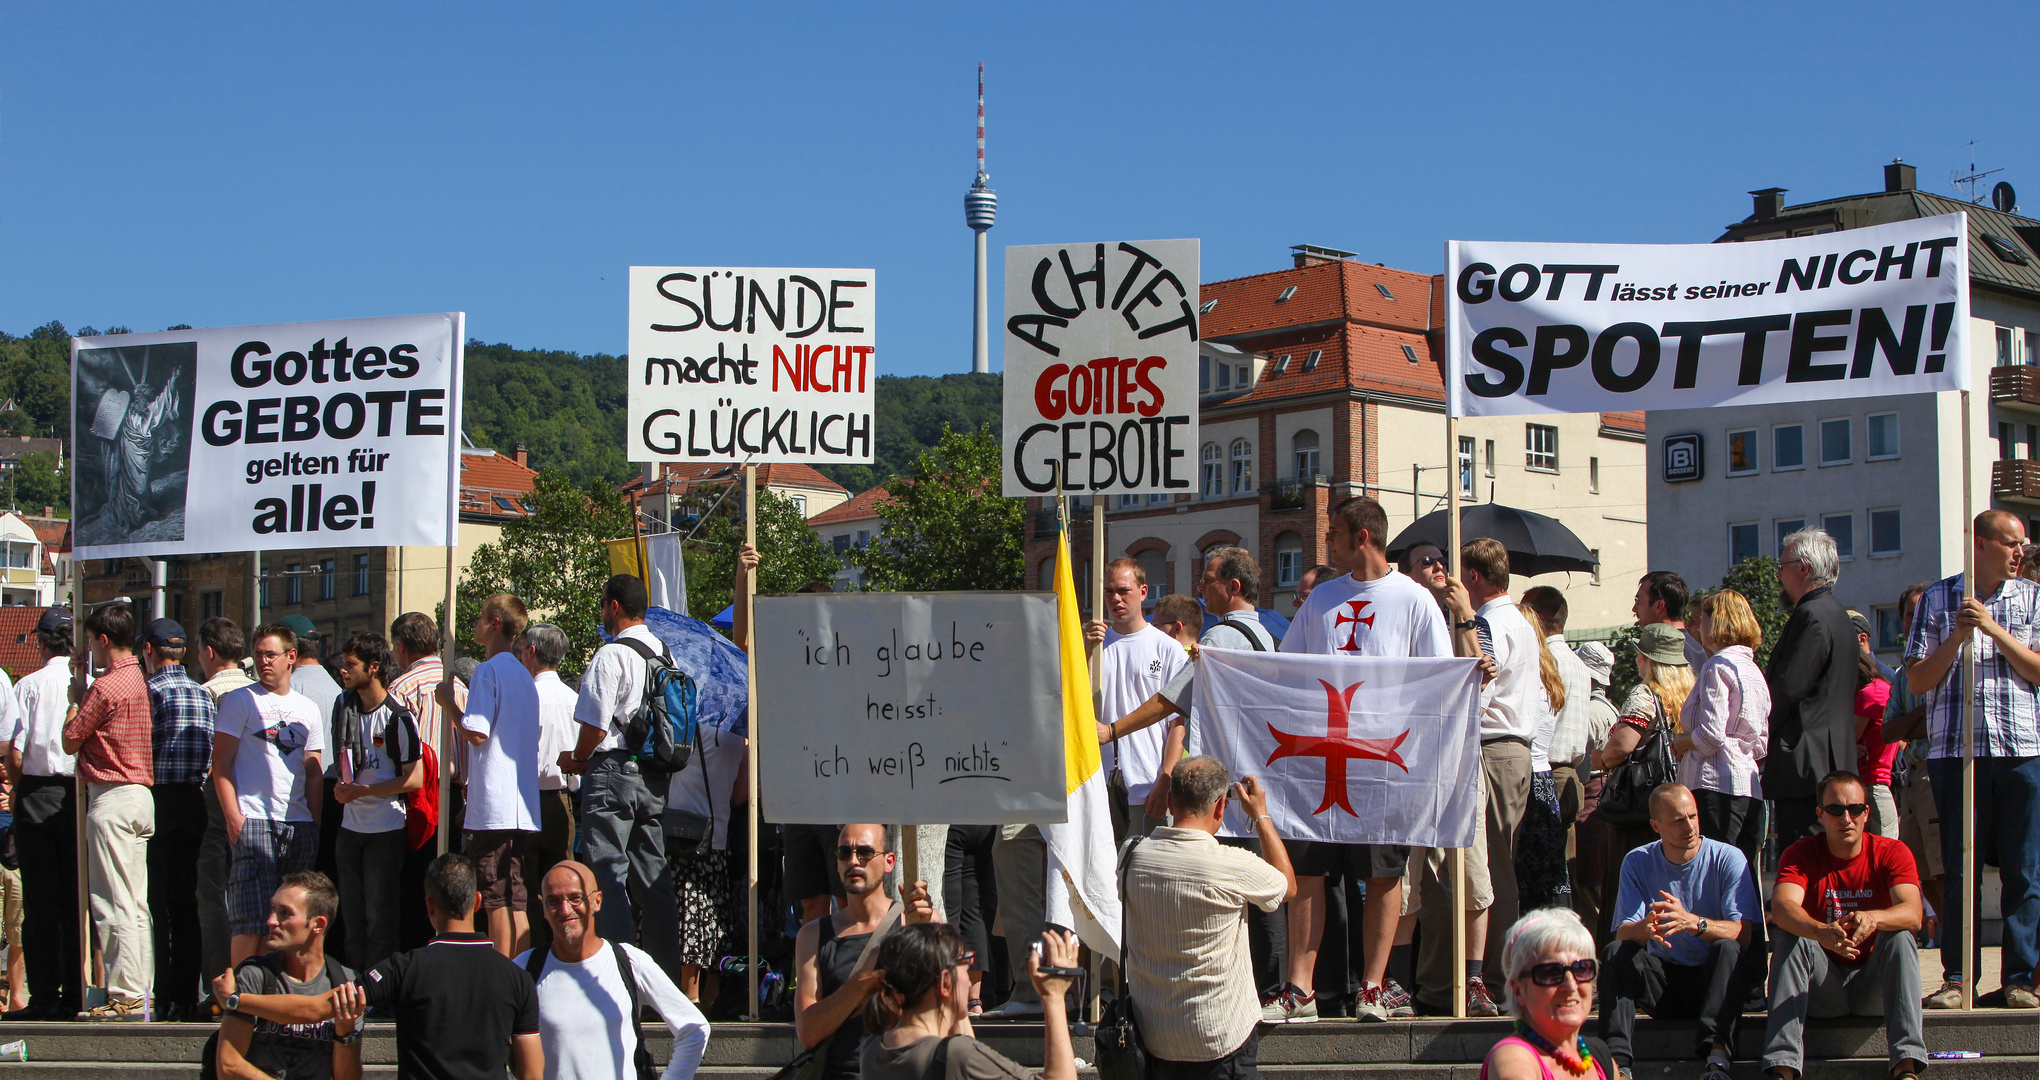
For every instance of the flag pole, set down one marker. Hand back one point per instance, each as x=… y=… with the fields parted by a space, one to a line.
x=1458 y=855
x=449 y=652
x=1968 y=685
x=751 y=744
x=78 y=797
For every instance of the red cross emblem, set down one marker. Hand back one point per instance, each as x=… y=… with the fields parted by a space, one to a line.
x=1336 y=748
x=1353 y=636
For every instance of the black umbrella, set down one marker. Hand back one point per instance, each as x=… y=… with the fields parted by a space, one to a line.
x=1537 y=544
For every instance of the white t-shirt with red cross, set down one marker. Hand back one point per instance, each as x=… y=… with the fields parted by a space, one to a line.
x=1389 y=616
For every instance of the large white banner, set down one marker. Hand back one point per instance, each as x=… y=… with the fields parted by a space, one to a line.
x=913 y=708
x=1566 y=328
x=251 y=438
x=749 y=364
x=1101 y=368
x=1353 y=750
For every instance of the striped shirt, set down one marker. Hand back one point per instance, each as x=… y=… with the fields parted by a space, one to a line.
x=2007 y=710
x=1187 y=965
x=114 y=728
x=182 y=715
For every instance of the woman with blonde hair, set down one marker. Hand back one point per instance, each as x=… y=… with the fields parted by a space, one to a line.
x=1666 y=681
x=1727 y=723
x=1541 y=879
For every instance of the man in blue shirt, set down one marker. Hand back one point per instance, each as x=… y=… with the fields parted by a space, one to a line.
x=181 y=717
x=1682 y=917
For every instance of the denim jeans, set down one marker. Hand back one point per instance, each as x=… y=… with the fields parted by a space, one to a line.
x=623 y=840
x=2007 y=797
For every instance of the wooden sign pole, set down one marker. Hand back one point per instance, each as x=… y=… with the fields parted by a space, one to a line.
x=751 y=744
x=1459 y=906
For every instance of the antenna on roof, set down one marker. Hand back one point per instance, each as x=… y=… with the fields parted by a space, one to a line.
x=1959 y=180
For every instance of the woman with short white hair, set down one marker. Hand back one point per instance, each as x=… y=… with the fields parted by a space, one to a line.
x=1549 y=956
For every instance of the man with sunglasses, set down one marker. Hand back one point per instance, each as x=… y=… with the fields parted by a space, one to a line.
x=1844 y=910
x=833 y=955
x=1680 y=930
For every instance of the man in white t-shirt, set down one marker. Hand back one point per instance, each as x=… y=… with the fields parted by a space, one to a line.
x=585 y=984
x=380 y=763
x=267 y=744
x=1138 y=661
x=541 y=649
x=500 y=725
x=1370 y=610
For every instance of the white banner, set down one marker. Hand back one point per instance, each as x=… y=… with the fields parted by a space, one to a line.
x=910 y=708
x=252 y=438
x=1101 y=368
x=1352 y=749
x=750 y=364
x=1569 y=328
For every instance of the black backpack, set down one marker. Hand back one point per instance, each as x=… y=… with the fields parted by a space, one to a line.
x=646 y=1068
x=662 y=734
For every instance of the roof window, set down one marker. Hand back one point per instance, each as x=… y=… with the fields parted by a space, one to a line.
x=1287 y=292
x=1310 y=362
x=1383 y=289
x=1281 y=365
x=2004 y=249
x=1206 y=307
x=1409 y=354
x=508 y=506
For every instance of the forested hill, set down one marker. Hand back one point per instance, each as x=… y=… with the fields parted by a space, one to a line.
x=567 y=408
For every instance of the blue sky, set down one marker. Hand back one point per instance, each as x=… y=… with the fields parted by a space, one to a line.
x=226 y=164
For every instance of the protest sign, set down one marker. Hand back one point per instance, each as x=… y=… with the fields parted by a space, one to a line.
x=1351 y=749
x=250 y=438
x=1101 y=368
x=751 y=364
x=915 y=708
x=1536 y=328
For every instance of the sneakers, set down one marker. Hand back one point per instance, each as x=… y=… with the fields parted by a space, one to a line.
x=1397 y=1001
x=1290 y=1007
x=1368 y=1005
x=1478 y=1001
x=117 y=1009
x=2021 y=997
x=1949 y=996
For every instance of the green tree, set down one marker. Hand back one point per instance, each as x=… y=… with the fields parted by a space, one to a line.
x=947 y=526
x=912 y=414
x=1757 y=580
x=553 y=559
x=792 y=554
x=38 y=482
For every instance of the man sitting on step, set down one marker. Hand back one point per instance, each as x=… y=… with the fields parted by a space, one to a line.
x=249 y=1047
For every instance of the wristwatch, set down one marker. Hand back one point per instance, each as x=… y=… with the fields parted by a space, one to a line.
x=1470 y=624
x=352 y=1038
x=1701 y=929
x=234 y=1001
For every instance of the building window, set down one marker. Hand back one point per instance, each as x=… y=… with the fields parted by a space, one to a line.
x=326 y=580
x=799 y=504
x=1465 y=466
x=1240 y=375
x=1281 y=365
x=293 y=584
x=1489 y=458
x=1046 y=580
x=1742 y=542
x=1834 y=442
x=1843 y=528
x=1742 y=452
x=2032 y=347
x=1884 y=538
x=2007 y=347
x=1409 y=353
x=1881 y=430
x=1128 y=502
x=1157 y=498
x=1541 y=444
x=212 y=604
x=1593 y=476
x=1242 y=466
x=262 y=597
x=1214 y=471
x=1596 y=553
x=1288 y=560
x=1154 y=565
x=1305 y=444
x=1788 y=447
x=2008 y=441
x=1225 y=376
x=1310 y=362
x=1783 y=528
x=361 y=575
x=1887 y=636
x=863 y=537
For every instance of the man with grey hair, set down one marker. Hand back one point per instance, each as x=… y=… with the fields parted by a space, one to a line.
x=1187 y=963
x=1812 y=676
x=541 y=649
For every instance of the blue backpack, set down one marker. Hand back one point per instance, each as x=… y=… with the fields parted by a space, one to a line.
x=662 y=734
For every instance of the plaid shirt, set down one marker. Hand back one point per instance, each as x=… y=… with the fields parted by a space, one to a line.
x=2007 y=710
x=182 y=711
x=113 y=729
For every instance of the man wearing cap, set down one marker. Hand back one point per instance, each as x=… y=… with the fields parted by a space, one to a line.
x=181 y=718
x=45 y=828
x=110 y=731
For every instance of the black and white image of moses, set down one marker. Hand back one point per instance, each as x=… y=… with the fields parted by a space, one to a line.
x=133 y=420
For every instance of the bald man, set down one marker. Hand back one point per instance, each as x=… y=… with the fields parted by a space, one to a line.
x=584 y=982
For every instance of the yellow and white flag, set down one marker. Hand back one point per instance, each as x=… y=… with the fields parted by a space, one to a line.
x=1083 y=886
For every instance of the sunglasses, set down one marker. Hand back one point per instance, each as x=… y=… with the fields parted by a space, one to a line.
x=1854 y=809
x=1553 y=973
x=1431 y=560
x=967 y=958
x=863 y=853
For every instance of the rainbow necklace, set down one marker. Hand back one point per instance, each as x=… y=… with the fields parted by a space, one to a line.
x=1578 y=1066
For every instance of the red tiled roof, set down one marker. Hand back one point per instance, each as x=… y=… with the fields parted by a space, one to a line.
x=675 y=478
x=1623 y=421
x=1327 y=292
x=54 y=533
x=486 y=476
x=18 y=651
x=862 y=507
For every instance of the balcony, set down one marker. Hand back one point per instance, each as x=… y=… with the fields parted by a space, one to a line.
x=2014 y=481
x=1291 y=494
x=2017 y=387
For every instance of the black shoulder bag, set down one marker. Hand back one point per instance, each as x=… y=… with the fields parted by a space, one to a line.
x=647 y=1069
x=1116 y=1040
x=1625 y=798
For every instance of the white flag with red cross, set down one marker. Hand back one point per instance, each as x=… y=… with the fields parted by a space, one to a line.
x=1352 y=749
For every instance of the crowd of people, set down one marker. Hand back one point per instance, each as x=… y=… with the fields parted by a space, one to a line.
x=260 y=838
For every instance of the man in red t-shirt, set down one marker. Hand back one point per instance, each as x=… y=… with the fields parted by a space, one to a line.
x=1845 y=908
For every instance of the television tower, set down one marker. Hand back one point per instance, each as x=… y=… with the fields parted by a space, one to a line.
x=980 y=207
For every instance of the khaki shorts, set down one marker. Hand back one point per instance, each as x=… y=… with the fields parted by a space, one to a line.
x=1436 y=865
x=10 y=906
x=1919 y=825
x=498 y=855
